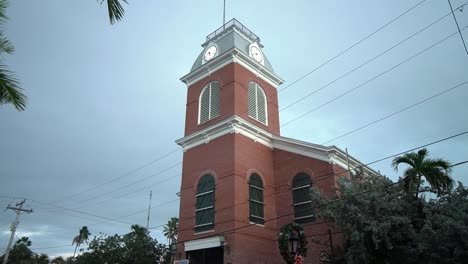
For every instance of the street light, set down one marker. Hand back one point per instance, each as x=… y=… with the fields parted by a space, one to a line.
x=293 y=243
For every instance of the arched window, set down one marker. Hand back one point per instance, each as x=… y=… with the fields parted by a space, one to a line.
x=256 y=199
x=304 y=212
x=209 y=102
x=204 y=219
x=257 y=103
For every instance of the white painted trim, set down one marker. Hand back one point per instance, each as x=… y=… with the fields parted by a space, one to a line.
x=236 y=124
x=232 y=56
x=230 y=125
x=209 y=242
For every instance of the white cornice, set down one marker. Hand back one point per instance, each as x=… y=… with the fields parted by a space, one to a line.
x=236 y=124
x=232 y=56
x=230 y=125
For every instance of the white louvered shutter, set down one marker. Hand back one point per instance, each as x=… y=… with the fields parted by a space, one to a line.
x=209 y=102
x=257 y=103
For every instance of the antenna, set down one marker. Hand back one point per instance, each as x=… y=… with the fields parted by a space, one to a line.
x=224 y=14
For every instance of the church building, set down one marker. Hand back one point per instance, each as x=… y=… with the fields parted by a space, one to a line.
x=242 y=180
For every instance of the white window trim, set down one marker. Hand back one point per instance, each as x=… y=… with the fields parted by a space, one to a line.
x=256 y=187
x=302 y=187
x=258 y=217
x=255 y=201
x=204 y=193
x=204 y=208
x=301 y=203
x=207 y=224
x=302 y=217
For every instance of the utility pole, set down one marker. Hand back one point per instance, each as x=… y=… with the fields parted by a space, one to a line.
x=149 y=210
x=18 y=210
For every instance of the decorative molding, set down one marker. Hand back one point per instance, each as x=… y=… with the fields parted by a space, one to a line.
x=230 y=125
x=238 y=125
x=209 y=242
x=232 y=56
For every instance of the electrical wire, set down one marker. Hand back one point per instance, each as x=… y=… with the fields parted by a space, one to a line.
x=294 y=82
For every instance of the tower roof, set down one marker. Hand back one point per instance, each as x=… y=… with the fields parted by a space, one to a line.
x=231 y=36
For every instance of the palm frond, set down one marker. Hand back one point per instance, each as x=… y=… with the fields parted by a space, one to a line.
x=115 y=10
x=3 y=7
x=6 y=46
x=405 y=159
x=10 y=90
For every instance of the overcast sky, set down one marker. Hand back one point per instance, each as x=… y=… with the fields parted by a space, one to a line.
x=106 y=100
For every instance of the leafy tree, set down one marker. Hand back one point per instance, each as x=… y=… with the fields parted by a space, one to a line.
x=435 y=171
x=58 y=260
x=82 y=237
x=41 y=259
x=20 y=250
x=134 y=247
x=377 y=220
x=10 y=90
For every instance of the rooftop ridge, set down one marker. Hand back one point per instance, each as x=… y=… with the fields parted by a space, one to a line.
x=231 y=24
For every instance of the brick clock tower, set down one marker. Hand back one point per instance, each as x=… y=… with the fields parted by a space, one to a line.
x=241 y=180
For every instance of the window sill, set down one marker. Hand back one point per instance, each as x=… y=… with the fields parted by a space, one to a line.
x=203 y=232
x=260 y=225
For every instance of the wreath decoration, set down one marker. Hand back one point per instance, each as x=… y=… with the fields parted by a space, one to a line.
x=283 y=240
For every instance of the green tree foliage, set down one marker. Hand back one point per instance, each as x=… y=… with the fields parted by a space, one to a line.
x=171 y=229
x=134 y=247
x=58 y=260
x=384 y=224
x=41 y=259
x=20 y=251
x=82 y=237
x=435 y=171
x=10 y=90
x=22 y=254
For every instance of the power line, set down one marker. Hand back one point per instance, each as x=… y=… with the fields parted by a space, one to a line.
x=125 y=186
x=456 y=22
x=117 y=178
x=396 y=112
x=297 y=80
x=108 y=192
x=347 y=197
x=84 y=213
x=342 y=76
x=373 y=78
x=321 y=177
x=354 y=45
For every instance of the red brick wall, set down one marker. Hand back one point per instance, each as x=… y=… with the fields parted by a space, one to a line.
x=322 y=173
x=231 y=159
x=233 y=80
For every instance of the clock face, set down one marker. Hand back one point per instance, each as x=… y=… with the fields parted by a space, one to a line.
x=210 y=52
x=256 y=53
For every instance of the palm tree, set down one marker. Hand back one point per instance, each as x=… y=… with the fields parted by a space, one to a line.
x=81 y=237
x=10 y=90
x=115 y=10
x=435 y=171
x=171 y=230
